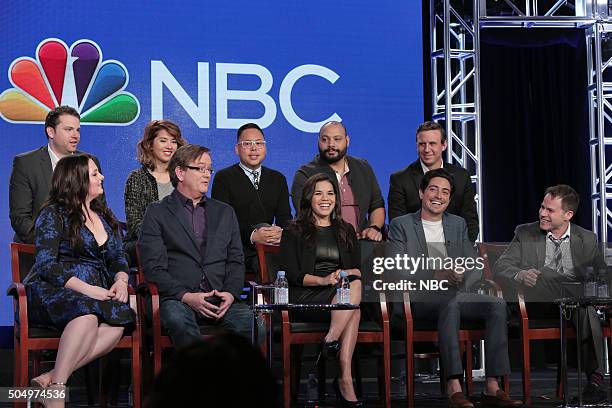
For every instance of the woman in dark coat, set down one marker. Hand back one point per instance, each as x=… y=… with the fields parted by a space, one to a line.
x=315 y=248
x=78 y=283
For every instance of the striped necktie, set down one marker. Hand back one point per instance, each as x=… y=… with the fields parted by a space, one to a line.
x=557 y=258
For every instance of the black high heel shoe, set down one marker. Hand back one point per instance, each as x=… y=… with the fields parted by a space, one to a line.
x=328 y=349
x=343 y=402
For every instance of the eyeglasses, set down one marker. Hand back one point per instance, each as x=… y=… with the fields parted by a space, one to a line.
x=202 y=170
x=247 y=144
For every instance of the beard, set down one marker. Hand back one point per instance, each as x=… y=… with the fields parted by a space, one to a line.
x=339 y=156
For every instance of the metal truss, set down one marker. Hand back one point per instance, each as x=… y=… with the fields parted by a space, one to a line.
x=455 y=71
x=455 y=74
x=454 y=38
x=599 y=59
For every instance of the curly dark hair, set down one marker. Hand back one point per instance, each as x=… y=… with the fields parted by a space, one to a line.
x=69 y=188
x=304 y=223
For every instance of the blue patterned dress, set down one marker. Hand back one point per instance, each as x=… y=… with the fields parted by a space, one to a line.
x=52 y=304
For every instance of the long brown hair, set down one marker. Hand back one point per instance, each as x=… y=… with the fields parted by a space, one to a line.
x=304 y=223
x=69 y=189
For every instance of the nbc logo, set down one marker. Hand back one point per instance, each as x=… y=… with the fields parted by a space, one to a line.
x=75 y=76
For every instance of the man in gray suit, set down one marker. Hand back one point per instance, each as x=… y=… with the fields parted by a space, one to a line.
x=545 y=254
x=191 y=248
x=435 y=234
x=31 y=176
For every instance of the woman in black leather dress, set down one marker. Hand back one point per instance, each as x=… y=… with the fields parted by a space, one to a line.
x=315 y=248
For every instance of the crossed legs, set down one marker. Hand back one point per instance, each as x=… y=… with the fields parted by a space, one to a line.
x=82 y=341
x=344 y=327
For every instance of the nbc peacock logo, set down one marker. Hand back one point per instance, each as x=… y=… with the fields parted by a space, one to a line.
x=75 y=76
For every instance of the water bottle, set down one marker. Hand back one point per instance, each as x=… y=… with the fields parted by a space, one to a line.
x=344 y=288
x=281 y=289
x=590 y=287
x=602 y=285
x=312 y=391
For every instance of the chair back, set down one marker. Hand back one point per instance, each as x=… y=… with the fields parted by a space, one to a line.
x=140 y=278
x=490 y=252
x=23 y=257
x=268 y=257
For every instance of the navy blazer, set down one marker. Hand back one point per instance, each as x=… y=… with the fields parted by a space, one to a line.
x=171 y=257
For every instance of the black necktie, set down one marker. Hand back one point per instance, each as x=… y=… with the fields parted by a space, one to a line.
x=256 y=179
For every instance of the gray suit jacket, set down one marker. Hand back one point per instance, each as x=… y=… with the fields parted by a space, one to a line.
x=171 y=257
x=406 y=235
x=528 y=250
x=29 y=186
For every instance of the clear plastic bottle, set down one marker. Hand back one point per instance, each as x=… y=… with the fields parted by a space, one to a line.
x=281 y=289
x=590 y=287
x=602 y=285
x=344 y=288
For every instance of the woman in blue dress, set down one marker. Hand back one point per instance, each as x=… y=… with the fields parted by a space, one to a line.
x=78 y=283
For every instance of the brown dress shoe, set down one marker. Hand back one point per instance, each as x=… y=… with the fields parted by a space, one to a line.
x=458 y=400
x=501 y=399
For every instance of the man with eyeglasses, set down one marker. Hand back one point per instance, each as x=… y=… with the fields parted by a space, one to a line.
x=190 y=248
x=258 y=194
x=362 y=204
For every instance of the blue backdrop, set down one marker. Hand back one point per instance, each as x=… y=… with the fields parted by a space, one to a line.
x=297 y=63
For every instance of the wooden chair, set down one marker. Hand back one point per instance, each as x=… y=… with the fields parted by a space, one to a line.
x=426 y=331
x=293 y=333
x=534 y=329
x=31 y=338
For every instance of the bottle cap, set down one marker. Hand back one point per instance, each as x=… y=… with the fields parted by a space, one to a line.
x=343 y=274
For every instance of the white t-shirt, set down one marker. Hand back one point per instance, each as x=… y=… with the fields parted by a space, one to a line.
x=434 y=235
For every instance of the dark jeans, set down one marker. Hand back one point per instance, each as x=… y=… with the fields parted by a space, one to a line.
x=183 y=323
x=449 y=311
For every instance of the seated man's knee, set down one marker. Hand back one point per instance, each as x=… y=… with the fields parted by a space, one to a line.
x=175 y=314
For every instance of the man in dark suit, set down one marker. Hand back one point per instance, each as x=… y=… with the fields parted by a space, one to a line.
x=258 y=194
x=442 y=239
x=31 y=176
x=544 y=255
x=362 y=204
x=190 y=248
x=404 y=184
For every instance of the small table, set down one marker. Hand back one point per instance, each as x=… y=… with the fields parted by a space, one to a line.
x=568 y=304
x=268 y=308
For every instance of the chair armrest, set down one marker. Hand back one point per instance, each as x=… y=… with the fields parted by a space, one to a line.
x=20 y=300
x=522 y=306
x=16 y=289
x=384 y=313
x=495 y=286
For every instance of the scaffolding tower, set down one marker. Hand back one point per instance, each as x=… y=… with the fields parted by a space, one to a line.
x=455 y=78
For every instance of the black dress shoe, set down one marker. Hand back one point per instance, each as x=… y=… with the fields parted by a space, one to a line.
x=328 y=350
x=343 y=402
x=592 y=394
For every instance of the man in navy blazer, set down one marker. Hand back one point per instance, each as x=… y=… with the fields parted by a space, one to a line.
x=435 y=235
x=190 y=248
